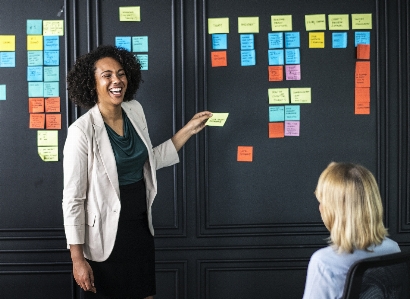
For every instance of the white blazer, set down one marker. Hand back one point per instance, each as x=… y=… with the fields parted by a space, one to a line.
x=91 y=196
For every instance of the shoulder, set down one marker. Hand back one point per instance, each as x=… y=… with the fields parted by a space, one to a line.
x=132 y=105
x=387 y=246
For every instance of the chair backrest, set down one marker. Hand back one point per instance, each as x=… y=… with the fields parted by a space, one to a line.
x=386 y=276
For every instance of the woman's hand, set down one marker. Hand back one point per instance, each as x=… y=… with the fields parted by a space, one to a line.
x=83 y=274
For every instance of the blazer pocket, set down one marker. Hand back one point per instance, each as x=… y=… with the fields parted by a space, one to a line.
x=91 y=218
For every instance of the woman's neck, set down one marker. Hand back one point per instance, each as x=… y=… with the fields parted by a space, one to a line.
x=112 y=116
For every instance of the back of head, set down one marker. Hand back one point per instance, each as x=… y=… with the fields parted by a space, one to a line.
x=351 y=206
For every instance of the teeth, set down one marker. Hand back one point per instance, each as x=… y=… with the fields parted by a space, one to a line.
x=115 y=89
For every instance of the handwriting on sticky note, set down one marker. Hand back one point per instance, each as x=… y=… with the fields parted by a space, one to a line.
x=281 y=23
x=47 y=137
x=36 y=105
x=52 y=104
x=53 y=27
x=130 y=14
x=37 y=121
x=301 y=95
x=218 y=58
x=53 y=121
x=276 y=130
x=292 y=128
x=362 y=21
x=218 y=25
x=316 y=40
x=217 y=119
x=248 y=25
x=363 y=51
x=48 y=153
x=278 y=95
x=362 y=108
x=293 y=72
x=7 y=43
x=275 y=73
x=245 y=154
x=362 y=74
x=338 y=22
x=34 y=42
x=315 y=22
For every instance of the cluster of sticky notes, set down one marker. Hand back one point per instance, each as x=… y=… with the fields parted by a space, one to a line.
x=362 y=80
x=47 y=145
x=137 y=45
x=247 y=27
x=219 y=29
x=7 y=50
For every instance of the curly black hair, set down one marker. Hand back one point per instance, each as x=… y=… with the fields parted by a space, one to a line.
x=81 y=84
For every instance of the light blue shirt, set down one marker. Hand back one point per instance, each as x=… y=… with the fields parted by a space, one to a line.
x=327 y=269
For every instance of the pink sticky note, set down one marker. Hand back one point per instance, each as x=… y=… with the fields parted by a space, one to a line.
x=292 y=128
x=293 y=72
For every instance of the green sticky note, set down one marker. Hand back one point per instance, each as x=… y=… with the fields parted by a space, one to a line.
x=47 y=138
x=217 y=119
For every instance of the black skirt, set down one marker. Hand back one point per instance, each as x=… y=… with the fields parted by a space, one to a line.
x=129 y=272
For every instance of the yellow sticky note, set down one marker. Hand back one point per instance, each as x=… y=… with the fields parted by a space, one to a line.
x=34 y=43
x=47 y=138
x=53 y=27
x=48 y=153
x=362 y=21
x=301 y=95
x=218 y=25
x=315 y=22
x=130 y=14
x=316 y=39
x=8 y=43
x=338 y=22
x=248 y=25
x=278 y=95
x=217 y=119
x=281 y=23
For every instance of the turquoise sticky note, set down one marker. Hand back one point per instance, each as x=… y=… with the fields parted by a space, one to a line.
x=292 y=112
x=143 y=59
x=51 y=42
x=2 y=92
x=34 y=58
x=248 y=58
x=7 y=59
x=34 y=73
x=275 y=40
x=34 y=27
x=35 y=89
x=292 y=56
x=361 y=37
x=247 y=42
x=51 y=73
x=51 y=89
x=339 y=40
x=140 y=44
x=220 y=41
x=276 y=57
x=123 y=42
x=51 y=57
x=276 y=113
x=292 y=39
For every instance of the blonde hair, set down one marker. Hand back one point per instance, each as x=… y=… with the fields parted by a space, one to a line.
x=351 y=207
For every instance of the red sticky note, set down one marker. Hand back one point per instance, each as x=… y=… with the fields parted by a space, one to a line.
x=362 y=74
x=245 y=153
x=276 y=73
x=53 y=104
x=276 y=130
x=218 y=58
x=37 y=120
x=361 y=108
x=362 y=94
x=36 y=105
x=53 y=121
x=363 y=51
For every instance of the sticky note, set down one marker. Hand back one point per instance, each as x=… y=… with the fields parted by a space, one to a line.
x=292 y=112
x=34 y=58
x=34 y=73
x=339 y=40
x=292 y=128
x=51 y=89
x=275 y=73
x=130 y=14
x=51 y=57
x=217 y=119
x=36 y=105
x=7 y=59
x=143 y=59
x=275 y=40
x=220 y=41
x=52 y=104
x=361 y=37
x=362 y=74
x=315 y=22
x=47 y=137
x=292 y=56
x=123 y=42
x=276 y=130
x=362 y=21
x=278 y=95
x=218 y=25
x=363 y=51
x=316 y=39
x=281 y=22
x=276 y=113
x=34 y=42
x=140 y=44
x=7 y=43
x=37 y=120
x=248 y=24
x=34 y=27
x=218 y=58
x=51 y=43
x=292 y=39
x=301 y=95
x=276 y=57
x=245 y=154
x=247 y=42
x=362 y=108
x=35 y=89
x=2 y=92
x=338 y=22
x=51 y=73
x=292 y=72
x=53 y=121
x=362 y=94
x=248 y=58
x=48 y=153
x=53 y=27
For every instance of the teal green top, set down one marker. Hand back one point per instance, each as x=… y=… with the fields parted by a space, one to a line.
x=130 y=152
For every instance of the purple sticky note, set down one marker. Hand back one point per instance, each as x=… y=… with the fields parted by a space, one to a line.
x=292 y=128
x=293 y=72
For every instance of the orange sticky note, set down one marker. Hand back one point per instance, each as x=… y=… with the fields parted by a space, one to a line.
x=53 y=121
x=36 y=105
x=276 y=73
x=52 y=104
x=37 y=121
x=362 y=74
x=363 y=51
x=362 y=94
x=276 y=130
x=218 y=58
x=361 y=108
x=245 y=153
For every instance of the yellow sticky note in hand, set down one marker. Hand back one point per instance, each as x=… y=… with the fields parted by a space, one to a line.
x=217 y=119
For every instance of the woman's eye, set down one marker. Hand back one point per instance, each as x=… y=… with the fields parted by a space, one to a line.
x=107 y=76
x=121 y=74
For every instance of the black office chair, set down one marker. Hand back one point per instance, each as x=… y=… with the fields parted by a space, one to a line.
x=382 y=277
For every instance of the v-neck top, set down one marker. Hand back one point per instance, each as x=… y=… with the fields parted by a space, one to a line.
x=130 y=152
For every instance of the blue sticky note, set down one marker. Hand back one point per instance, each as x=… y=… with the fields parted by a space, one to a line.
x=34 y=27
x=140 y=44
x=361 y=37
x=219 y=41
x=292 y=112
x=123 y=42
x=247 y=42
x=7 y=59
x=34 y=58
x=292 y=39
x=2 y=92
x=51 y=89
x=51 y=57
x=35 y=89
x=143 y=59
x=51 y=42
x=276 y=57
x=276 y=113
x=51 y=73
x=248 y=58
x=34 y=73
x=275 y=40
x=292 y=56
x=339 y=39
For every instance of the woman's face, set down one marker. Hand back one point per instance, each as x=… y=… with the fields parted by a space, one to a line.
x=111 y=81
